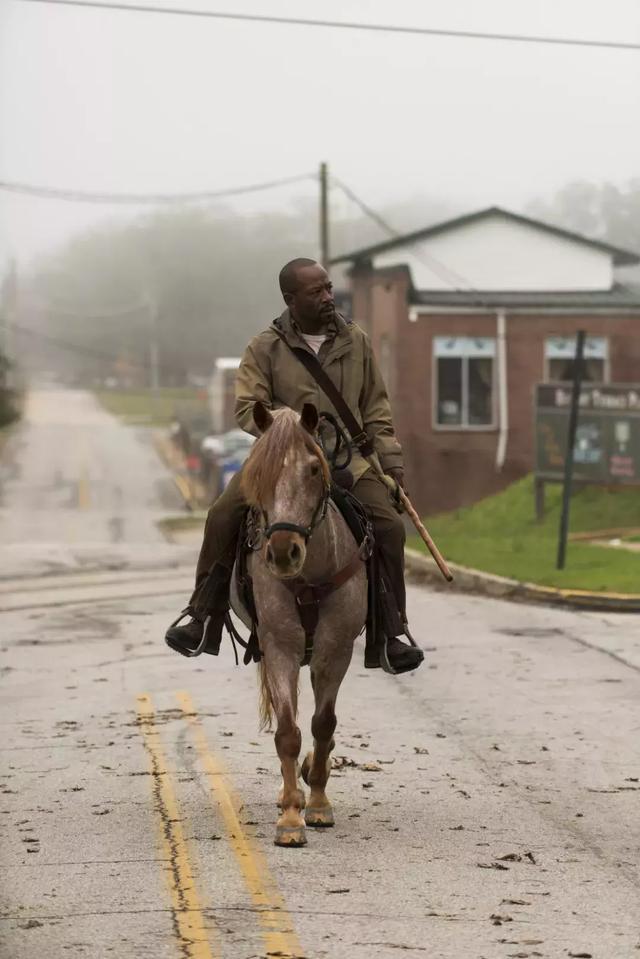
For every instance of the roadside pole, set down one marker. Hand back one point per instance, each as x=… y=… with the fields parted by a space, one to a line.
x=154 y=351
x=571 y=442
x=6 y=319
x=324 y=215
x=539 y=498
x=8 y=307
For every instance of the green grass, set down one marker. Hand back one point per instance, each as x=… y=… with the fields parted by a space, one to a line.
x=182 y=521
x=500 y=535
x=142 y=406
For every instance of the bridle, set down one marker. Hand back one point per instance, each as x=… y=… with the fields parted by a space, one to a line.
x=342 y=444
x=319 y=514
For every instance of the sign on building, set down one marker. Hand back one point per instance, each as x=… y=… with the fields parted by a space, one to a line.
x=607 y=447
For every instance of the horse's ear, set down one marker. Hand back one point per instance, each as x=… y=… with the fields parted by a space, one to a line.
x=262 y=417
x=309 y=418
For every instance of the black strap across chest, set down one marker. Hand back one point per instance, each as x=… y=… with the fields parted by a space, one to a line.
x=324 y=381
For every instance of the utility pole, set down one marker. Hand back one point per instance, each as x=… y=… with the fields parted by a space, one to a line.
x=9 y=305
x=154 y=348
x=571 y=442
x=324 y=216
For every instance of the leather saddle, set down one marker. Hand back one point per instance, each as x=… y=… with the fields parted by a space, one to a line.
x=383 y=618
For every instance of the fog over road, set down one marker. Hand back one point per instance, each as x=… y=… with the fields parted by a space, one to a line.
x=79 y=476
x=487 y=806
x=74 y=478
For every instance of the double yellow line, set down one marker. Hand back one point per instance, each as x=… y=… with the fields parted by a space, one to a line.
x=198 y=941
x=187 y=911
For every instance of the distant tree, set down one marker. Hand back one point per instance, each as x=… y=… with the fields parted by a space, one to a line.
x=8 y=396
x=604 y=211
x=210 y=273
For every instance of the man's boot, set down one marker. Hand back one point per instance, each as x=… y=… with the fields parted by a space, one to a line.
x=384 y=647
x=393 y=655
x=207 y=609
x=401 y=657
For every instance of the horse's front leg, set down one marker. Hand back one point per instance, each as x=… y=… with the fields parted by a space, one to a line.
x=282 y=681
x=326 y=677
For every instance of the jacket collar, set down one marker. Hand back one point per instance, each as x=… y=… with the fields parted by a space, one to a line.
x=285 y=323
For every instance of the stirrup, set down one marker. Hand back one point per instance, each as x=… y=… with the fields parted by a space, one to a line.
x=184 y=650
x=384 y=658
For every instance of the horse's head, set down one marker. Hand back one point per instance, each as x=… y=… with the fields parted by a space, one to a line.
x=287 y=478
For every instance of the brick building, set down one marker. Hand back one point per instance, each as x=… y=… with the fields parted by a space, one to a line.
x=465 y=318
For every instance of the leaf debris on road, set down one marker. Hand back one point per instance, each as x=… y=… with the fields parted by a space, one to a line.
x=497 y=919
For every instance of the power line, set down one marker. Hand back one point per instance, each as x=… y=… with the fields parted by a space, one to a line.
x=107 y=314
x=450 y=277
x=80 y=196
x=69 y=347
x=347 y=25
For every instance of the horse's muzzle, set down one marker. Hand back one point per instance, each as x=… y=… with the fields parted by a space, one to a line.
x=285 y=554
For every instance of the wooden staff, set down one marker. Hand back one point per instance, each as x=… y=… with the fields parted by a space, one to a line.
x=415 y=519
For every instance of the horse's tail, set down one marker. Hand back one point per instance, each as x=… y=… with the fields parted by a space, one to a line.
x=265 y=706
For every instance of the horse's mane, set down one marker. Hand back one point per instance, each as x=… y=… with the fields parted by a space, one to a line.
x=284 y=438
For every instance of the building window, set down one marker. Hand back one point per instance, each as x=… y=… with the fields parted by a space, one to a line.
x=464 y=381
x=559 y=356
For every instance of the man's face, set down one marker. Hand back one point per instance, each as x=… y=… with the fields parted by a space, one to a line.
x=313 y=298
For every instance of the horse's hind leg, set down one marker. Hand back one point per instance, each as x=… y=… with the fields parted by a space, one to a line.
x=290 y=829
x=317 y=765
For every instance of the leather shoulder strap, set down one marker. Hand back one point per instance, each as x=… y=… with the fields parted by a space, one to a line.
x=313 y=366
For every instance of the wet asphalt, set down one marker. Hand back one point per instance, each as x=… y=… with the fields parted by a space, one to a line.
x=486 y=806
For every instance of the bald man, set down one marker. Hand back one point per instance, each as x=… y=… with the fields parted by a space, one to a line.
x=270 y=372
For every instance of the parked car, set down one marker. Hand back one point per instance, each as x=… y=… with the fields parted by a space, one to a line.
x=222 y=456
x=211 y=451
x=236 y=448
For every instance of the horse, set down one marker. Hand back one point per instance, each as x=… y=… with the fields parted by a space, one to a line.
x=304 y=544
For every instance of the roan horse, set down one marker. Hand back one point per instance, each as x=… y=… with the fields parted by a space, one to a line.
x=304 y=538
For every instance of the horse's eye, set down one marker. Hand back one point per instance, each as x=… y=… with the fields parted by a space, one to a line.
x=315 y=469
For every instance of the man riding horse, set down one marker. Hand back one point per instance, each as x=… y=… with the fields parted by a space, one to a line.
x=271 y=374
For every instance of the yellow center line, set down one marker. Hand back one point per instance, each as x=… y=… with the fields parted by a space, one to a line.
x=183 y=487
x=188 y=919
x=279 y=936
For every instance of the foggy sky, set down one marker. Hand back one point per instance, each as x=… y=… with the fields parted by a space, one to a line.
x=131 y=102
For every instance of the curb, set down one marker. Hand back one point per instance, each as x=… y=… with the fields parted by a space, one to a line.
x=598 y=534
x=422 y=569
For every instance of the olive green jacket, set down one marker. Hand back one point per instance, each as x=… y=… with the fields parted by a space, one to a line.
x=270 y=372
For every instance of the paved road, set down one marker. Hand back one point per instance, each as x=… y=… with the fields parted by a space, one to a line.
x=76 y=485
x=487 y=806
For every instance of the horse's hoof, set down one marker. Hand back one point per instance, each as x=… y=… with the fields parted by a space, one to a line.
x=293 y=836
x=305 y=769
x=320 y=817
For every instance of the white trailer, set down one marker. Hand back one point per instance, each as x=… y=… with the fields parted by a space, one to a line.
x=222 y=393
